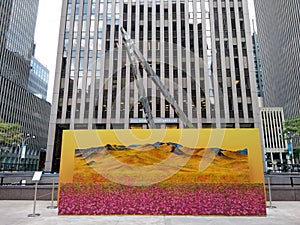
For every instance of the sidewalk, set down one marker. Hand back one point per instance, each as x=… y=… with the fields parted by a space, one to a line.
x=16 y=213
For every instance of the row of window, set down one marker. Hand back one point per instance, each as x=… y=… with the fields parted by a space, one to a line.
x=84 y=67
x=17 y=105
x=21 y=27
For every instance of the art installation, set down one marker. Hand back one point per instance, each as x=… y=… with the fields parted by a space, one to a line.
x=162 y=172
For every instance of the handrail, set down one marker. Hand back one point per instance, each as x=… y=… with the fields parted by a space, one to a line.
x=25 y=175
x=285 y=175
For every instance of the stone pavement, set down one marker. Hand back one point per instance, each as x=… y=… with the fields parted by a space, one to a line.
x=16 y=213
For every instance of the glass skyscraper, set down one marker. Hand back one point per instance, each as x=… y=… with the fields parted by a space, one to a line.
x=38 y=79
x=257 y=64
x=200 y=49
x=17 y=105
x=18 y=20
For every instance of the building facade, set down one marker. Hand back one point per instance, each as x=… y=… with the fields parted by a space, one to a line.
x=278 y=34
x=257 y=64
x=274 y=145
x=38 y=79
x=17 y=27
x=200 y=49
x=17 y=105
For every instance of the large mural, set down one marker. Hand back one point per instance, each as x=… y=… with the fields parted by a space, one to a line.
x=162 y=172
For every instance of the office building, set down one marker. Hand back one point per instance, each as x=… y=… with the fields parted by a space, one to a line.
x=17 y=28
x=17 y=105
x=257 y=64
x=38 y=79
x=278 y=35
x=274 y=146
x=200 y=49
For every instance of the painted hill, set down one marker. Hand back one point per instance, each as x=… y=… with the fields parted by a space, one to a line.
x=159 y=159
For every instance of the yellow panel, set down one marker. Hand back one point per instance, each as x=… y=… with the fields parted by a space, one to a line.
x=227 y=139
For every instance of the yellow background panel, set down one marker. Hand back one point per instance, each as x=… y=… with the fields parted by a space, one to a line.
x=227 y=139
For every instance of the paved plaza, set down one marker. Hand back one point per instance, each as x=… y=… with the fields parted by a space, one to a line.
x=16 y=213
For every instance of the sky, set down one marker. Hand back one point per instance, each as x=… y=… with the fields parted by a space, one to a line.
x=46 y=36
x=252 y=13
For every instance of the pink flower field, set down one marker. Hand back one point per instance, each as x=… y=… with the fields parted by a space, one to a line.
x=228 y=199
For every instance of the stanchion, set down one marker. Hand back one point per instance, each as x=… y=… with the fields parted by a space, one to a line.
x=34 y=202
x=270 y=195
x=52 y=197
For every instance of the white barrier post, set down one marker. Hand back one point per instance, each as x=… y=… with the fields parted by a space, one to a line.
x=52 y=197
x=270 y=195
x=36 y=177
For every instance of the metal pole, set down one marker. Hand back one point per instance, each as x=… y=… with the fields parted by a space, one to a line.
x=19 y=157
x=34 y=202
x=135 y=54
x=24 y=146
x=270 y=195
x=52 y=197
x=38 y=162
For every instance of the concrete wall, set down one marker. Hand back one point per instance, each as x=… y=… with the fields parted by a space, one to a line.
x=21 y=187
x=27 y=193
x=283 y=187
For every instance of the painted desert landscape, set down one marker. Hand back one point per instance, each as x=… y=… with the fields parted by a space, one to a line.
x=167 y=162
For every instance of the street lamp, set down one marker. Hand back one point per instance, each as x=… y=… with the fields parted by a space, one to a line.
x=22 y=154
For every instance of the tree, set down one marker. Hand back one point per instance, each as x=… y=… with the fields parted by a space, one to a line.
x=292 y=126
x=296 y=152
x=10 y=135
x=292 y=129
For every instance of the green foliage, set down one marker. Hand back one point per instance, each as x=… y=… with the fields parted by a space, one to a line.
x=292 y=126
x=296 y=152
x=291 y=129
x=10 y=134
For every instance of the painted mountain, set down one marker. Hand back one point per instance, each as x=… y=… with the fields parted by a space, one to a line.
x=160 y=162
